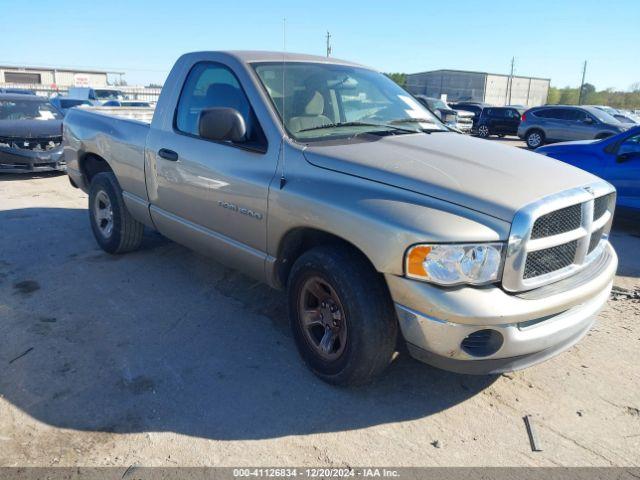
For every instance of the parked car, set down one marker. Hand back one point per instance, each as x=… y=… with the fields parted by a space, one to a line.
x=381 y=222
x=126 y=103
x=558 y=123
x=17 y=91
x=30 y=134
x=615 y=159
x=64 y=103
x=97 y=96
x=617 y=114
x=475 y=108
x=449 y=116
x=499 y=121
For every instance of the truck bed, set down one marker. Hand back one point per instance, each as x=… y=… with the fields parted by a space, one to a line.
x=142 y=114
x=119 y=139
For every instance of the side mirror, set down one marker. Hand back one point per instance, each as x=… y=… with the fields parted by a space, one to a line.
x=628 y=152
x=588 y=120
x=222 y=124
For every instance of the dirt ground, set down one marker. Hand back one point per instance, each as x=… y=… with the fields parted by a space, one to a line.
x=163 y=358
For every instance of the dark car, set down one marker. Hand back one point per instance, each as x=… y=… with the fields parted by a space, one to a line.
x=126 y=103
x=30 y=134
x=64 y=104
x=475 y=108
x=499 y=121
x=445 y=113
x=18 y=91
x=616 y=159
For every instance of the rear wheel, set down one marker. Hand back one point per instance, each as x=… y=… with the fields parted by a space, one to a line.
x=342 y=316
x=483 y=131
x=115 y=230
x=534 y=139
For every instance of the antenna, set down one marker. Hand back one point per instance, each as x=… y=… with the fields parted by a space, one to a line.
x=283 y=179
x=328 y=43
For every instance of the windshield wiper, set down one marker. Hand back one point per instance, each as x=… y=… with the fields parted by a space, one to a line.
x=420 y=120
x=360 y=124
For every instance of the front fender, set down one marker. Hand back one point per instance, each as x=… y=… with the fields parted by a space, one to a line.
x=380 y=220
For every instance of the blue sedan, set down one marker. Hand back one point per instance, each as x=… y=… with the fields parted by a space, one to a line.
x=616 y=159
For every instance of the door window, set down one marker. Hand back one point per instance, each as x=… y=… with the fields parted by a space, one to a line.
x=211 y=85
x=631 y=146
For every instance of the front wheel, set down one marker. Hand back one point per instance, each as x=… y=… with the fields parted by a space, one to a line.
x=342 y=316
x=115 y=230
x=483 y=131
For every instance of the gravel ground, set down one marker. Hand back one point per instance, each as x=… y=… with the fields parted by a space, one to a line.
x=162 y=358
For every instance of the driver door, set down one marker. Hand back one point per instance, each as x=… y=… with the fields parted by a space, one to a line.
x=623 y=171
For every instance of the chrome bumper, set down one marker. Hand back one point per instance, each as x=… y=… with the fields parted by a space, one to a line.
x=534 y=326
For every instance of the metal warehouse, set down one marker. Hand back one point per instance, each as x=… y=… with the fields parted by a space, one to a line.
x=492 y=88
x=49 y=76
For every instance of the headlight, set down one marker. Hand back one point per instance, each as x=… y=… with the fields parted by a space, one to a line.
x=455 y=264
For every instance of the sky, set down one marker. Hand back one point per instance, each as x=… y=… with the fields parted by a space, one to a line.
x=549 y=39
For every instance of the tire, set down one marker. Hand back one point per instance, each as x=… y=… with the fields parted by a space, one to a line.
x=534 y=138
x=365 y=324
x=483 y=131
x=115 y=230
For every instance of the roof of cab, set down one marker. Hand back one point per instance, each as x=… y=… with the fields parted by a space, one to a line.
x=254 y=56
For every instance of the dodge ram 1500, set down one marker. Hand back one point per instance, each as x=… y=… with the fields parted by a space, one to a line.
x=325 y=178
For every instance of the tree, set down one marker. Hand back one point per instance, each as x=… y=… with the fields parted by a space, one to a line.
x=399 y=78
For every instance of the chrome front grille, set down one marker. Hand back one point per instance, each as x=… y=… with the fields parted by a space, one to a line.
x=557 y=236
x=560 y=221
x=549 y=260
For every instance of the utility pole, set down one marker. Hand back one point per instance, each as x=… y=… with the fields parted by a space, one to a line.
x=510 y=87
x=584 y=74
x=328 y=44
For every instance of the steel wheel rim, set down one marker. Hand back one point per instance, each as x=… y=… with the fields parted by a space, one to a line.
x=322 y=318
x=534 y=139
x=103 y=213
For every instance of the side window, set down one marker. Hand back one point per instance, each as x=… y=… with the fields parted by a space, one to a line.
x=630 y=145
x=544 y=113
x=576 y=115
x=213 y=85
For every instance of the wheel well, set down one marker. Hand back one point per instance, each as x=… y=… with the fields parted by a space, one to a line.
x=300 y=240
x=534 y=129
x=91 y=165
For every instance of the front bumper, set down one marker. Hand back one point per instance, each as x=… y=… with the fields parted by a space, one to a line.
x=14 y=160
x=464 y=127
x=534 y=325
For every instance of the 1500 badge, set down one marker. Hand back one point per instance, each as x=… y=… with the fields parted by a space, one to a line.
x=243 y=210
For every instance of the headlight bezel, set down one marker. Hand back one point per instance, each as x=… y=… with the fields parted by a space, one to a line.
x=410 y=262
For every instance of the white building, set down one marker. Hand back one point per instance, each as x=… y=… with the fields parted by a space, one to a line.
x=52 y=78
x=492 y=88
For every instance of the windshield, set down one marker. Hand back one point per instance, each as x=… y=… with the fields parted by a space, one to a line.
x=108 y=94
x=324 y=101
x=603 y=116
x=73 y=103
x=439 y=105
x=27 y=110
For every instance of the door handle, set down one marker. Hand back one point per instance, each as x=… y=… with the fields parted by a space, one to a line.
x=168 y=154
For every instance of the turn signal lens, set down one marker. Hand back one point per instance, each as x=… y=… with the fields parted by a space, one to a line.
x=415 y=261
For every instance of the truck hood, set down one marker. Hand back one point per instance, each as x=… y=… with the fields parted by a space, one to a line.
x=30 y=128
x=478 y=174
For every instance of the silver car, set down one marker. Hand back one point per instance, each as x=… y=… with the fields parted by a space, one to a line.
x=560 y=123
